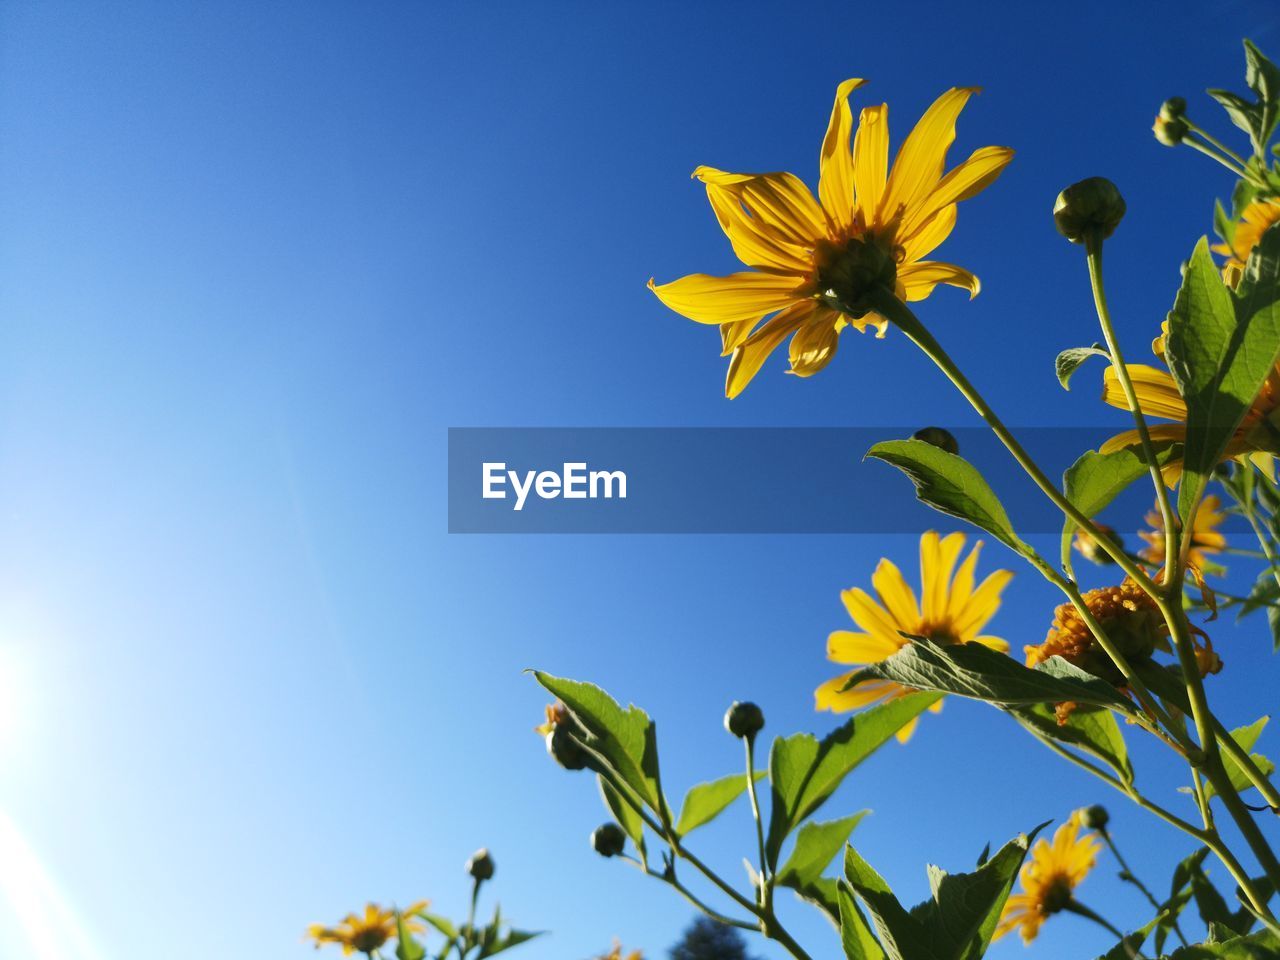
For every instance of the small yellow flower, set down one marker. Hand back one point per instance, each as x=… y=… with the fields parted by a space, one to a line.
x=1257 y=218
x=1204 y=534
x=1158 y=397
x=814 y=261
x=1049 y=879
x=556 y=713
x=368 y=933
x=951 y=610
x=616 y=953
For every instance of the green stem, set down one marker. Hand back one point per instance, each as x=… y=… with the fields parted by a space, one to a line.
x=1213 y=141
x=766 y=882
x=1204 y=148
x=1093 y=249
x=1080 y=910
x=674 y=882
x=1131 y=877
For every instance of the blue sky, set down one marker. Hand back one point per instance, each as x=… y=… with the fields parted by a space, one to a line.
x=256 y=260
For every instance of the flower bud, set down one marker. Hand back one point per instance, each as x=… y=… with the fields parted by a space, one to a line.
x=480 y=865
x=608 y=840
x=1173 y=108
x=744 y=719
x=1095 y=817
x=942 y=439
x=1169 y=130
x=565 y=750
x=1090 y=209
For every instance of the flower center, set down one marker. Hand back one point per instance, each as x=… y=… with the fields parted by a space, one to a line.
x=368 y=939
x=850 y=273
x=1057 y=894
x=940 y=632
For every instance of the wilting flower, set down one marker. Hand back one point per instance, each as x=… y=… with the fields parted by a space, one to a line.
x=1256 y=220
x=1128 y=615
x=950 y=610
x=1049 y=879
x=1203 y=532
x=1158 y=396
x=368 y=932
x=815 y=263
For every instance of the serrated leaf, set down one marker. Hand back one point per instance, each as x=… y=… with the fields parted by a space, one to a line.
x=1221 y=348
x=1069 y=360
x=950 y=484
x=625 y=738
x=804 y=772
x=816 y=846
x=980 y=673
x=1094 y=731
x=706 y=801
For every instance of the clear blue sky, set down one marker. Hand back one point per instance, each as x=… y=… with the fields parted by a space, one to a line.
x=256 y=258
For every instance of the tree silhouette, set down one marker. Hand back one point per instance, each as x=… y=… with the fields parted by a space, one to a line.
x=705 y=939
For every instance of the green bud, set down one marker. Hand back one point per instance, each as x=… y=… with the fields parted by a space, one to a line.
x=608 y=840
x=1173 y=108
x=1096 y=817
x=1090 y=209
x=744 y=719
x=942 y=439
x=565 y=750
x=480 y=865
x=1170 y=130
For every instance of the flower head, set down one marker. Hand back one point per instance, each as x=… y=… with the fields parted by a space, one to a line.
x=1205 y=538
x=1129 y=616
x=1049 y=879
x=1257 y=218
x=367 y=932
x=951 y=609
x=818 y=264
x=616 y=953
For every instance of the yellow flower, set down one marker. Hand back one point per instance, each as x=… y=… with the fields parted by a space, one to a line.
x=1158 y=396
x=952 y=610
x=1126 y=612
x=366 y=933
x=1204 y=534
x=616 y=953
x=814 y=261
x=1257 y=218
x=1049 y=879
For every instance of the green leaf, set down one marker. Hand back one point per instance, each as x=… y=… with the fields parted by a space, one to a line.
x=505 y=941
x=407 y=948
x=822 y=894
x=442 y=924
x=1220 y=349
x=855 y=935
x=706 y=801
x=625 y=738
x=951 y=485
x=1094 y=480
x=1262 y=945
x=980 y=673
x=1246 y=737
x=804 y=772
x=1093 y=731
x=901 y=934
x=1069 y=360
x=625 y=816
x=1128 y=948
x=816 y=846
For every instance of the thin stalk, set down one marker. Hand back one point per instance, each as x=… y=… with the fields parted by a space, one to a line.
x=766 y=883
x=674 y=882
x=1204 y=148
x=1080 y=910
x=1093 y=250
x=1214 y=141
x=1133 y=878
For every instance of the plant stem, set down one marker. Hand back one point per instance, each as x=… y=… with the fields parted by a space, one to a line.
x=1132 y=877
x=1093 y=250
x=674 y=882
x=1080 y=910
x=1204 y=148
x=766 y=882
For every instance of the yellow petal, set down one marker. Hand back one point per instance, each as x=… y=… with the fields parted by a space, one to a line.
x=780 y=203
x=896 y=595
x=815 y=343
x=752 y=353
x=920 y=278
x=918 y=167
x=872 y=617
x=1156 y=390
x=836 y=169
x=966 y=180
x=937 y=560
x=925 y=240
x=828 y=696
x=845 y=646
x=739 y=296
x=870 y=161
x=982 y=606
x=906 y=730
x=751 y=232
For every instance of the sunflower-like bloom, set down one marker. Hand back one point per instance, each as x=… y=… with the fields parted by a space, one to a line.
x=1204 y=534
x=1256 y=220
x=1127 y=613
x=951 y=610
x=814 y=262
x=1158 y=397
x=1049 y=879
x=368 y=932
